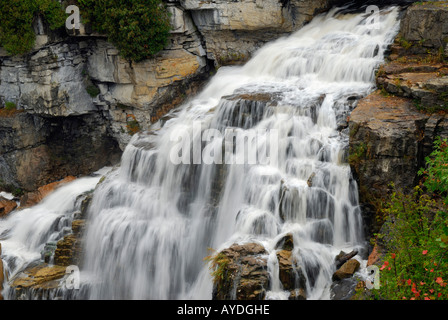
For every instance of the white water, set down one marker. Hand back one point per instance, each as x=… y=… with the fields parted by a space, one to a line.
x=24 y=233
x=152 y=222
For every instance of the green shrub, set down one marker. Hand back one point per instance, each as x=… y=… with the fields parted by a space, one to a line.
x=436 y=171
x=416 y=236
x=16 y=16
x=10 y=106
x=93 y=90
x=139 y=28
x=415 y=267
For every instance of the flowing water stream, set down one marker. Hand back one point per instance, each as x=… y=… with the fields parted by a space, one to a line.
x=153 y=219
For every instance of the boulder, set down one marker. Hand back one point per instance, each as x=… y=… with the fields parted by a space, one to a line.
x=286 y=243
x=37 y=278
x=346 y=270
x=290 y=273
x=244 y=273
x=6 y=206
x=343 y=257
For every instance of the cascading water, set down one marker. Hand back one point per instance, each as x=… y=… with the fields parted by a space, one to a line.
x=153 y=220
x=24 y=234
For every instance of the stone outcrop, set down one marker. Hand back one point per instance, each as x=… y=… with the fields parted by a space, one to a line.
x=241 y=271
x=393 y=129
x=42 y=277
x=234 y=30
x=36 y=150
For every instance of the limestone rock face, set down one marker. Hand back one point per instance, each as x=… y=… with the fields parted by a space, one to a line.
x=426 y=22
x=36 y=150
x=385 y=141
x=233 y=31
x=393 y=129
x=79 y=75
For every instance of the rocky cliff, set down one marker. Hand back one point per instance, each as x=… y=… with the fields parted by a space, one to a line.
x=393 y=129
x=76 y=102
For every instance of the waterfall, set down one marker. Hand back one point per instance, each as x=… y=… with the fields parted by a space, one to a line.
x=25 y=233
x=181 y=189
x=153 y=220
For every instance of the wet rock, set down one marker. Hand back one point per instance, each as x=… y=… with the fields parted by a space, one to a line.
x=33 y=198
x=38 y=276
x=37 y=279
x=6 y=206
x=245 y=110
x=68 y=251
x=310 y=180
x=286 y=242
x=244 y=273
x=346 y=270
x=290 y=273
x=343 y=289
x=343 y=257
x=48 y=251
x=298 y=294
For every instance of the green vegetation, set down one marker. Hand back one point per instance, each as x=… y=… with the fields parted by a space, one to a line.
x=16 y=192
x=16 y=33
x=357 y=153
x=93 y=90
x=436 y=171
x=10 y=106
x=9 y=110
x=132 y=125
x=139 y=28
x=218 y=267
x=415 y=236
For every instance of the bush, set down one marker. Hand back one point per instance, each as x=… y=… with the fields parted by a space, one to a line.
x=16 y=16
x=416 y=236
x=10 y=106
x=415 y=266
x=132 y=125
x=436 y=171
x=139 y=28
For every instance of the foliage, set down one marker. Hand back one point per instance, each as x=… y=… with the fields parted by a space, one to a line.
x=9 y=110
x=218 y=266
x=139 y=28
x=132 y=125
x=436 y=171
x=10 y=105
x=93 y=90
x=415 y=266
x=416 y=236
x=16 y=32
